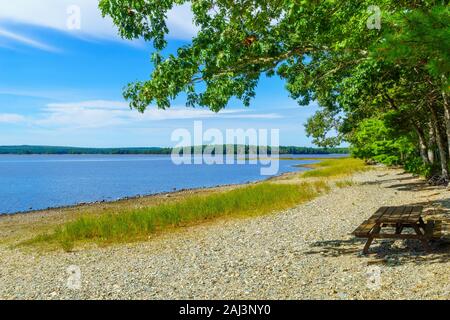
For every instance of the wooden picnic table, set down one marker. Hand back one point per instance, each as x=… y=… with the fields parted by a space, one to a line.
x=395 y=217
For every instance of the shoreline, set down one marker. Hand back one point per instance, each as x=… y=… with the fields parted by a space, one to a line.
x=16 y=227
x=169 y=193
x=305 y=252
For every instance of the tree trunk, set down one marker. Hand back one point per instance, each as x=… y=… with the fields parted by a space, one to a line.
x=422 y=144
x=431 y=144
x=424 y=151
x=441 y=141
x=447 y=118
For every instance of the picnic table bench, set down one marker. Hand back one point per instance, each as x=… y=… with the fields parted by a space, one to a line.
x=400 y=218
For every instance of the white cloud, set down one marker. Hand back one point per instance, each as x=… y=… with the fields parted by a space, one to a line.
x=101 y=113
x=180 y=23
x=90 y=104
x=106 y=113
x=15 y=37
x=54 y=14
x=256 y=116
x=11 y=118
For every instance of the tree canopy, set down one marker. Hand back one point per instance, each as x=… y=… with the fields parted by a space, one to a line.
x=377 y=72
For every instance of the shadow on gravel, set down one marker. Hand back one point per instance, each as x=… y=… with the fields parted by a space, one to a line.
x=335 y=248
x=409 y=183
x=413 y=186
x=384 y=252
x=388 y=180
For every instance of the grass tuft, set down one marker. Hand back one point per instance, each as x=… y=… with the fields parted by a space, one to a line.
x=138 y=224
x=344 y=183
x=333 y=168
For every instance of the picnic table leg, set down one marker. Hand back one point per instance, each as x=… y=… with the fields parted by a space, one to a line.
x=422 y=237
x=422 y=224
x=398 y=228
x=375 y=231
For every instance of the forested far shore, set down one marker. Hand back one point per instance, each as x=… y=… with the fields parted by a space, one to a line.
x=22 y=150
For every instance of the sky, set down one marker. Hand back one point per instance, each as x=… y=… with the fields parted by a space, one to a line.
x=63 y=68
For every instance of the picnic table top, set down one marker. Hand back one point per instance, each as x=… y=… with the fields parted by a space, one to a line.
x=399 y=217
x=390 y=215
x=400 y=214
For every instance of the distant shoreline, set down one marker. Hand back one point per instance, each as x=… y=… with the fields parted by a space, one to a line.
x=61 y=150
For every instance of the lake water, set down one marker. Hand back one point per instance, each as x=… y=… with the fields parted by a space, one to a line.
x=41 y=181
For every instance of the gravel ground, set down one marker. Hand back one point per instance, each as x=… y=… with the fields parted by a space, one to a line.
x=303 y=253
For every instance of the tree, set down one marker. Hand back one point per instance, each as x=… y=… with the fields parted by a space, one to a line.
x=323 y=49
x=407 y=75
x=375 y=140
x=236 y=43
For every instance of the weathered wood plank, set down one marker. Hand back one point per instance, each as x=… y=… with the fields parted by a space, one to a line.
x=414 y=216
x=378 y=214
x=364 y=229
x=407 y=212
x=395 y=216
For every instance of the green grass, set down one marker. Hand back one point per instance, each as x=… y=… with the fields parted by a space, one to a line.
x=344 y=183
x=335 y=168
x=138 y=224
x=134 y=224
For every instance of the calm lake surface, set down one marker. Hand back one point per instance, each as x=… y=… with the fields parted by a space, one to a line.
x=34 y=182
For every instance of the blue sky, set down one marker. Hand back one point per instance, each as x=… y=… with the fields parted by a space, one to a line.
x=63 y=86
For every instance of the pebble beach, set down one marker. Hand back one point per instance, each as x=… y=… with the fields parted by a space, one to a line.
x=306 y=252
